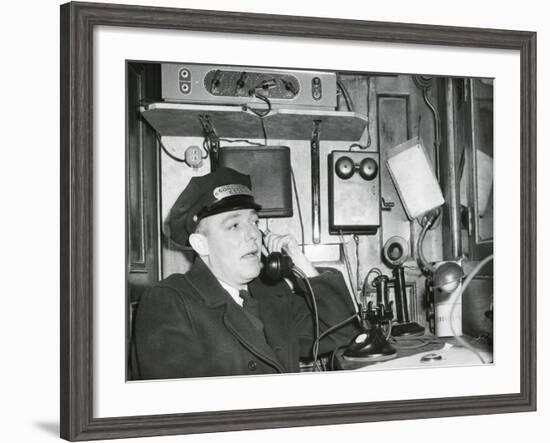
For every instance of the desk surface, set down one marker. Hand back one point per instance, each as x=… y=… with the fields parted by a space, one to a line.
x=448 y=351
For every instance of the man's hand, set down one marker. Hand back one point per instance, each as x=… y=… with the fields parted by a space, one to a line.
x=277 y=243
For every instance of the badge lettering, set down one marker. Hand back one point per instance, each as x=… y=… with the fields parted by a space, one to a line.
x=230 y=190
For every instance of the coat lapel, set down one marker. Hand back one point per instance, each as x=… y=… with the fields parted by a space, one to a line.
x=274 y=310
x=235 y=319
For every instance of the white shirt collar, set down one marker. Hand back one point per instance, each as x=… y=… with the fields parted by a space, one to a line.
x=233 y=292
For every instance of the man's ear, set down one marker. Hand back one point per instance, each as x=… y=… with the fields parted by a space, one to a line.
x=199 y=243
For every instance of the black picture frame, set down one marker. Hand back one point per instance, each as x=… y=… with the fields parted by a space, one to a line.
x=77 y=216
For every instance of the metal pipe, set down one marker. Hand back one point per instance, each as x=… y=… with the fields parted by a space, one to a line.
x=453 y=187
x=425 y=83
x=437 y=137
x=401 y=292
x=315 y=184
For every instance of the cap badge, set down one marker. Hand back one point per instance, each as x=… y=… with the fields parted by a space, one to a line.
x=229 y=190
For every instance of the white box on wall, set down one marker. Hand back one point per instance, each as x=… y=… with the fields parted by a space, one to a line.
x=413 y=177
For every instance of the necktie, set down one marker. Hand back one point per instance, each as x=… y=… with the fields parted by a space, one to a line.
x=251 y=307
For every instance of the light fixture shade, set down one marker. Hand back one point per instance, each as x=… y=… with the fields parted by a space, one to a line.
x=447 y=276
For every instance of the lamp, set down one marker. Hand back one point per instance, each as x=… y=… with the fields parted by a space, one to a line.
x=447 y=276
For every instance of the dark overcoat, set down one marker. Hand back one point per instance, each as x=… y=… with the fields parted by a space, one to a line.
x=189 y=326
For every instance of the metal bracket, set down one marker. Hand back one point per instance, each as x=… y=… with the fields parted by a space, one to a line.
x=467 y=219
x=315 y=183
x=386 y=206
x=213 y=140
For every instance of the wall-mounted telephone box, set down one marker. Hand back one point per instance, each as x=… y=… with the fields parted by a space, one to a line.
x=354 y=192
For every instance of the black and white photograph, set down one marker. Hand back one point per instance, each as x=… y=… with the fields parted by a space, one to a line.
x=298 y=220
x=277 y=221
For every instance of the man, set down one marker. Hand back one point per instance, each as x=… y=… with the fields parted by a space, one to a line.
x=221 y=317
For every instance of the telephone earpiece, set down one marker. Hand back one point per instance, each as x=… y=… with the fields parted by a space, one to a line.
x=277 y=266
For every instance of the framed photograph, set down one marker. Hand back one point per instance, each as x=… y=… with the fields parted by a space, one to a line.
x=262 y=213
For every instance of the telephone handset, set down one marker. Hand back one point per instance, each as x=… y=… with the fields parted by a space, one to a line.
x=277 y=266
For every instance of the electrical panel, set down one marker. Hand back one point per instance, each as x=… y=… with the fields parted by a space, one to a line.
x=224 y=85
x=354 y=192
